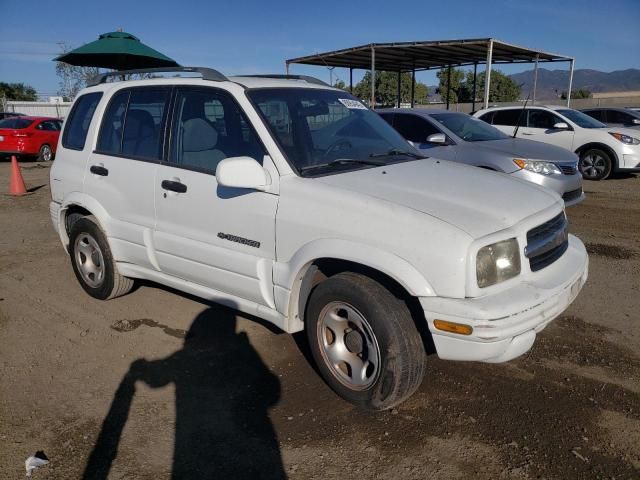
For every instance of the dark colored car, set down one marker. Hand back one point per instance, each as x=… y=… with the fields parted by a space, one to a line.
x=29 y=137
x=615 y=117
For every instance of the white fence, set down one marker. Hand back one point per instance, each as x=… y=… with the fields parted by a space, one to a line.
x=40 y=109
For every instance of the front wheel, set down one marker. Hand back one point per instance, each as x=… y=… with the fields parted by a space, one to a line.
x=364 y=341
x=595 y=164
x=45 y=154
x=93 y=263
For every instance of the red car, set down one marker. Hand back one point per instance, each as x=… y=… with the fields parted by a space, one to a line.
x=30 y=137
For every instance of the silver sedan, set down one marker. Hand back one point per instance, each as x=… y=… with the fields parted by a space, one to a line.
x=458 y=137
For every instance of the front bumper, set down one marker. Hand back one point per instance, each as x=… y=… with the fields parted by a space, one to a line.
x=505 y=324
x=561 y=184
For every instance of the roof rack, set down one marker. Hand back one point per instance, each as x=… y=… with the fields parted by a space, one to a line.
x=207 y=73
x=306 y=78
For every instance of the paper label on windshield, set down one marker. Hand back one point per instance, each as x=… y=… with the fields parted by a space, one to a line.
x=352 y=104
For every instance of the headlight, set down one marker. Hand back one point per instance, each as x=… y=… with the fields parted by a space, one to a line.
x=625 y=138
x=497 y=262
x=537 y=166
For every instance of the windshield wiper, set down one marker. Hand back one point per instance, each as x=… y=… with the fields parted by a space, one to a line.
x=396 y=151
x=343 y=161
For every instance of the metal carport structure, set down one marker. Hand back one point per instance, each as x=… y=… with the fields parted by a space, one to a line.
x=411 y=57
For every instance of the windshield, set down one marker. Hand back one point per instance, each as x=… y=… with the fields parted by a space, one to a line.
x=15 y=122
x=581 y=119
x=326 y=130
x=468 y=128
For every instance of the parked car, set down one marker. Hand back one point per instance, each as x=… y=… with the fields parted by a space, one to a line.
x=601 y=149
x=615 y=117
x=4 y=115
x=290 y=200
x=460 y=138
x=30 y=137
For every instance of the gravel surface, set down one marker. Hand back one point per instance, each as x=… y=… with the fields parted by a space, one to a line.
x=159 y=384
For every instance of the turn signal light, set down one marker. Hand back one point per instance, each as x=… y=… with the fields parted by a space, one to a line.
x=453 y=327
x=519 y=162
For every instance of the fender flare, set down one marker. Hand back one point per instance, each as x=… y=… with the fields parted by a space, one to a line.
x=289 y=276
x=88 y=203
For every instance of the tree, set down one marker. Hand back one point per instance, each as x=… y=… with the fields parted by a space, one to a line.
x=580 y=93
x=502 y=89
x=453 y=89
x=387 y=88
x=18 y=91
x=72 y=78
x=341 y=85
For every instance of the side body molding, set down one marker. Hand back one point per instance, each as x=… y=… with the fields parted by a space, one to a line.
x=288 y=275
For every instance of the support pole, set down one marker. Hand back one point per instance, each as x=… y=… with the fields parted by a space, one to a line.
x=413 y=86
x=351 y=80
x=286 y=67
x=475 y=78
x=535 y=80
x=570 y=82
x=448 y=86
x=487 y=75
x=373 y=77
x=398 y=91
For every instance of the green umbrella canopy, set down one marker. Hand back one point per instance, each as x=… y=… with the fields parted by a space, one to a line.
x=118 y=51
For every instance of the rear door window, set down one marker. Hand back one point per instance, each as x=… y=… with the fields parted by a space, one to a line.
x=75 y=132
x=507 y=117
x=134 y=122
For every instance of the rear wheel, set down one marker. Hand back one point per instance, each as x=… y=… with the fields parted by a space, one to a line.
x=364 y=341
x=595 y=164
x=45 y=154
x=93 y=263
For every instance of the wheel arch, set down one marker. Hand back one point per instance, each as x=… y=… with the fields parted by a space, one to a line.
x=295 y=280
x=601 y=146
x=83 y=205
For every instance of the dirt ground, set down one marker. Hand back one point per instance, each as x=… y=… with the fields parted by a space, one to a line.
x=158 y=384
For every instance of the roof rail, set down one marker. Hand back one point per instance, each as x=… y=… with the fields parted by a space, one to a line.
x=306 y=78
x=207 y=73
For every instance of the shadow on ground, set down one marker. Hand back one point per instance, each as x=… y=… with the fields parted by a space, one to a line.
x=223 y=394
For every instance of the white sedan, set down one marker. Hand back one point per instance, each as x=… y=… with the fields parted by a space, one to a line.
x=601 y=149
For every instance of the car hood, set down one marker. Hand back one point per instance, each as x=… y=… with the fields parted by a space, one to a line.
x=528 y=149
x=631 y=131
x=477 y=201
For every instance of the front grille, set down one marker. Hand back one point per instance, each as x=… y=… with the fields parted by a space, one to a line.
x=568 y=168
x=572 y=195
x=547 y=242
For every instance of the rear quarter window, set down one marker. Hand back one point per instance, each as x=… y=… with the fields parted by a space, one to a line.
x=77 y=126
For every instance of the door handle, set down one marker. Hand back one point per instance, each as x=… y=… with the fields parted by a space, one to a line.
x=99 y=170
x=174 y=186
x=528 y=133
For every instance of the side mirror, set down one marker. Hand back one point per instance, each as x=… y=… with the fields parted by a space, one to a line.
x=242 y=172
x=439 y=138
x=561 y=126
x=635 y=121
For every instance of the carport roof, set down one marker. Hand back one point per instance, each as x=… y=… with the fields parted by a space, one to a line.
x=408 y=56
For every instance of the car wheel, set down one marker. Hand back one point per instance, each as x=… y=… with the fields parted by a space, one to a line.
x=364 y=341
x=45 y=154
x=93 y=263
x=595 y=164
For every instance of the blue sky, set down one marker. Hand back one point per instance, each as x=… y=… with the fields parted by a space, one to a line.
x=257 y=36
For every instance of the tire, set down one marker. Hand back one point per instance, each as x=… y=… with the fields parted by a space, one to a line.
x=45 y=154
x=595 y=164
x=93 y=263
x=352 y=323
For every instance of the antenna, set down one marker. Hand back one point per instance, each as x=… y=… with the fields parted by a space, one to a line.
x=515 y=131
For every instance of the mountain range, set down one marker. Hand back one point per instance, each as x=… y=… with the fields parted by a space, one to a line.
x=550 y=81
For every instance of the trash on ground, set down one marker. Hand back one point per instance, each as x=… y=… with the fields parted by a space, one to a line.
x=37 y=460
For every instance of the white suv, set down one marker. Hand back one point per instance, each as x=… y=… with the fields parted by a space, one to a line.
x=290 y=200
x=601 y=149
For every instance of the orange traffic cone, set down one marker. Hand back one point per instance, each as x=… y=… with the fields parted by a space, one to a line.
x=16 y=184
